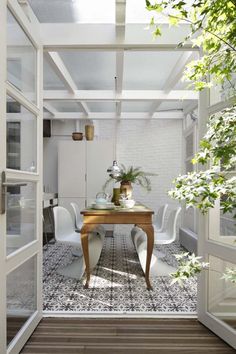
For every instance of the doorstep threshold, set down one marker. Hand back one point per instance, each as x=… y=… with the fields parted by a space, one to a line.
x=94 y=314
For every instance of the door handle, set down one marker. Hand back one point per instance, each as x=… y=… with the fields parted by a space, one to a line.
x=3 y=187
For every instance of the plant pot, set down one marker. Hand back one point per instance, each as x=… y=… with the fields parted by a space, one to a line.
x=77 y=136
x=126 y=189
x=89 y=132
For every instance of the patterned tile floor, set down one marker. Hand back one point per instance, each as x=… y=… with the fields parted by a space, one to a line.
x=117 y=283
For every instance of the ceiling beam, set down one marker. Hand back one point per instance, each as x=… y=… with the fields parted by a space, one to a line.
x=174 y=77
x=178 y=114
x=104 y=36
x=190 y=107
x=52 y=110
x=120 y=36
x=60 y=69
x=126 y=95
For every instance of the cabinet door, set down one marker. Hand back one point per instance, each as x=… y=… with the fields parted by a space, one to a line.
x=99 y=157
x=71 y=169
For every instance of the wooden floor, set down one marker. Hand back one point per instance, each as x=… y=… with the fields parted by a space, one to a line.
x=123 y=336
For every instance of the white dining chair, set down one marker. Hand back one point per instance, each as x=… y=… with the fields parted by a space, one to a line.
x=79 y=223
x=158 y=267
x=78 y=219
x=169 y=234
x=64 y=229
x=66 y=234
x=159 y=218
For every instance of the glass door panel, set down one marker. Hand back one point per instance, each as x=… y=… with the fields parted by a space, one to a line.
x=222 y=291
x=21 y=297
x=20 y=215
x=21 y=59
x=20 y=177
x=21 y=137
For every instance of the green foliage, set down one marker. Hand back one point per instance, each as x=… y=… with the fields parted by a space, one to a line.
x=201 y=189
x=189 y=266
x=134 y=175
x=230 y=275
x=213 y=28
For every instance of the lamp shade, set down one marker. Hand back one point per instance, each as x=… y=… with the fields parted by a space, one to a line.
x=114 y=170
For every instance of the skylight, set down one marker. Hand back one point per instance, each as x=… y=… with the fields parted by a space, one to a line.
x=136 y=13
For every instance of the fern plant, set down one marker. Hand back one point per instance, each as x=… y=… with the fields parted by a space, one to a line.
x=132 y=175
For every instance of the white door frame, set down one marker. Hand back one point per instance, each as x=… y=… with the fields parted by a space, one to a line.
x=34 y=248
x=207 y=246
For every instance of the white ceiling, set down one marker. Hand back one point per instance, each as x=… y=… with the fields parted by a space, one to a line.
x=96 y=69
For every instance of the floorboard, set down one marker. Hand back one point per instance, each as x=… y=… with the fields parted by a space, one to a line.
x=123 y=336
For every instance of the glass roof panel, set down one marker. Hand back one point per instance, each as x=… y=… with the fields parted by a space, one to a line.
x=50 y=80
x=75 y=11
x=102 y=106
x=136 y=13
x=91 y=70
x=136 y=106
x=66 y=106
x=170 y=105
x=148 y=70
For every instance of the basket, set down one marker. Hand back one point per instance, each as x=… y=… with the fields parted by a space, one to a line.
x=77 y=136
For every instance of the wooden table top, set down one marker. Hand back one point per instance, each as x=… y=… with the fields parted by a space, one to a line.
x=138 y=208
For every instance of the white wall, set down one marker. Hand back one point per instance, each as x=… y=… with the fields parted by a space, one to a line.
x=156 y=146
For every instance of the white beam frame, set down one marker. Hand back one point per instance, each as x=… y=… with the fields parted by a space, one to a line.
x=178 y=114
x=62 y=72
x=174 y=77
x=126 y=95
x=120 y=34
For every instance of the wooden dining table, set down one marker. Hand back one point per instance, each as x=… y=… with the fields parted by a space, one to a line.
x=139 y=215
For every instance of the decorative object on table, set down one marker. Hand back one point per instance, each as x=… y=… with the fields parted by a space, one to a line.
x=127 y=203
x=102 y=202
x=101 y=198
x=77 y=136
x=114 y=170
x=89 y=132
x=116 y=196
x=130 y=175
x=105 y=206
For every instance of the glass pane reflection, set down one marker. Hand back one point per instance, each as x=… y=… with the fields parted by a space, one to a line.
x=21 y=59
x=21 y=137
x=20 y=216
x=21 y=297
x=221 y=292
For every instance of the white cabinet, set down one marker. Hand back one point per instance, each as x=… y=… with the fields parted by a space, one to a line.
x=82 y=167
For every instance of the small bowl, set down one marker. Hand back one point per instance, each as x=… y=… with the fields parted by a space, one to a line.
x=127 y=203
x=77 y=136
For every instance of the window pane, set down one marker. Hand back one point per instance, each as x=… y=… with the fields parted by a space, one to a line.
x=223 y=92
x=21 y=296
x=189 y=146
x=221 y=292
x=188 y=166
x=21 y=137
x=227 y=224
x=21 y=59
x=21 y=216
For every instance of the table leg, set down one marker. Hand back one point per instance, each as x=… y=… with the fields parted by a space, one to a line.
x=84 y=242
x=148 y=229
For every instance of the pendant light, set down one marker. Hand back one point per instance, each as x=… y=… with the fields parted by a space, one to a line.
x=114 y=170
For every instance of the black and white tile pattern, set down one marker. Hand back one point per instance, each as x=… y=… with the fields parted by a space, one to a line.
x=117 y=283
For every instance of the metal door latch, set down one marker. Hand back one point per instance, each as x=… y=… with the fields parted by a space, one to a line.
x=3 y=190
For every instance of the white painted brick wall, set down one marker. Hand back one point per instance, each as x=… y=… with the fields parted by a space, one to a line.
x=155 y=145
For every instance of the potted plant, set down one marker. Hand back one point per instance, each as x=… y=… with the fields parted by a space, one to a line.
x=128 y=176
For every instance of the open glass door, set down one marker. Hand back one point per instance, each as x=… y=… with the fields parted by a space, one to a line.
x=21 y=177
x=216 y=242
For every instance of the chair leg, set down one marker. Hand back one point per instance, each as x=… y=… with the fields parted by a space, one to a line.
x=51 y=221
